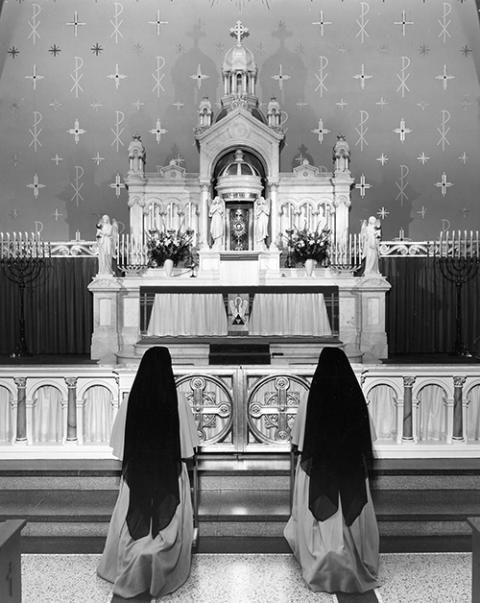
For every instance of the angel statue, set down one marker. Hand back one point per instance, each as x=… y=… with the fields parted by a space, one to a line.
x=369 y=237
x=107 y=233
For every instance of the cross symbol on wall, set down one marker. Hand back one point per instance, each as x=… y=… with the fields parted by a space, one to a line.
x=382 y=159
x=56 y=214
x=75 y=23
x=199 y=76
x=35 y=185
x=76 y=130
x=362 y=76
x=444 y=185
x=403 y=22
x=280 y=76
x=320 y=130
x=117 y=185
x=322 y=23
x=117 y=76
x=239 y=31
x=402 y=130
x=158 y=131
x=444 y=77
x=34 y=77
x=158 y=22
x=423 y=158
x=57 y=159
x=363 y=186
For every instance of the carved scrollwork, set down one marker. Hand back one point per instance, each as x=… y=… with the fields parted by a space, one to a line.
x=272 y=407
x=211 y=404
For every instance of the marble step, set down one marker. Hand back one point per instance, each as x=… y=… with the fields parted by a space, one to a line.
x=240 y=474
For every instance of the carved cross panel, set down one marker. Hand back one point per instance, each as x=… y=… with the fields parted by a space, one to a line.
x=272 y=415
x=208 y=409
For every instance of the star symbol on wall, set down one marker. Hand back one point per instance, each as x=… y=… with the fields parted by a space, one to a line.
x=382 y=159
x=13 y=51
x=424 y=50
x=54 y=50
x=55 y=104
x=96 y=49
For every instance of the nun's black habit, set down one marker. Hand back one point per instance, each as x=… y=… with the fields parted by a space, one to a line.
x=149 y=540
x=333 y=530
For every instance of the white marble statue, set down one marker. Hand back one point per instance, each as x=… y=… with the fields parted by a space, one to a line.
x=262 y=215
x=107 y=233
x=341 y=154
x=370 y=236
x=137 y=155
x=217 y=222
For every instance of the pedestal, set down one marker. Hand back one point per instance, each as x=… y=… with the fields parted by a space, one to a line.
x=373 y=339
x=105 y=318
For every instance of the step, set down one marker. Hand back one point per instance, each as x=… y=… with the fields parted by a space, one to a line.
x=421 y=504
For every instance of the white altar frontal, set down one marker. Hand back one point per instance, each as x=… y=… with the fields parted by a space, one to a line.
x=237 y=284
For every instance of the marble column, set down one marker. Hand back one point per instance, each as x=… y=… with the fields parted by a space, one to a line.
x=408 y=383
x=274 y=218
x=71 y=409
x=204 y=230
x=458 y=383
x=21 y=383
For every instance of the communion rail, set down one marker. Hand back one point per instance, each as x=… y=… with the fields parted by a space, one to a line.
x=67 y=411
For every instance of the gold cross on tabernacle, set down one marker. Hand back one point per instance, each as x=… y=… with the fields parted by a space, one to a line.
x=239 y=32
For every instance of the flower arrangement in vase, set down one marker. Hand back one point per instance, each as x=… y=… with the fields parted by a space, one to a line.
x=307 y=244
x=169 y=244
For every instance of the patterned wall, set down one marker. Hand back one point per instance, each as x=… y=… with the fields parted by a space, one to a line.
x=397 y=77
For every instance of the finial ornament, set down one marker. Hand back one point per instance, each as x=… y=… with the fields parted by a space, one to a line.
x=239 y=32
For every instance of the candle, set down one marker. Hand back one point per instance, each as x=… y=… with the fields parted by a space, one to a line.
x=465 y=242
x=1 y=244
x=476 y=251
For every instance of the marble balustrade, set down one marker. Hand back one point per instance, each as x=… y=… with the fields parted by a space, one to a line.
x=67 y=411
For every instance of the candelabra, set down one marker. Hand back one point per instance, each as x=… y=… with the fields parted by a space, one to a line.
x=131 y=257
x=458 y=259
x=346 y=257
x=23 y=259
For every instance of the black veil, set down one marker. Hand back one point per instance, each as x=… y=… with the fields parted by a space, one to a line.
x=151 y=461
x=337 y=449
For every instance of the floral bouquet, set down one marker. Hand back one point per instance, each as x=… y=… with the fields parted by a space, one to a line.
x=309 y=244
x=169 y=244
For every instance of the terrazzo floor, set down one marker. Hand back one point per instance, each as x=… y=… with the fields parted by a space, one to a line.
x=259 y=578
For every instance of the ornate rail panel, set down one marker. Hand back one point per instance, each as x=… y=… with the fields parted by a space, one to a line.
x=67 y=412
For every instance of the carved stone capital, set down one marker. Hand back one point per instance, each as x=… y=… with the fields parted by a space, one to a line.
x=20 y=382
x=71 y=382
x=459 y=381
x=409 y=381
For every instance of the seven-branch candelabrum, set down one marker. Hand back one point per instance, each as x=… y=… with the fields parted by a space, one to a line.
x=131 y=255
x=22 y=247
x=347 y=256
x=24 y=258
x=457 y=254
x=459 y=245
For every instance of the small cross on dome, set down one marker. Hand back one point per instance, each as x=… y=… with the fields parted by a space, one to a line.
x=239 y=32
